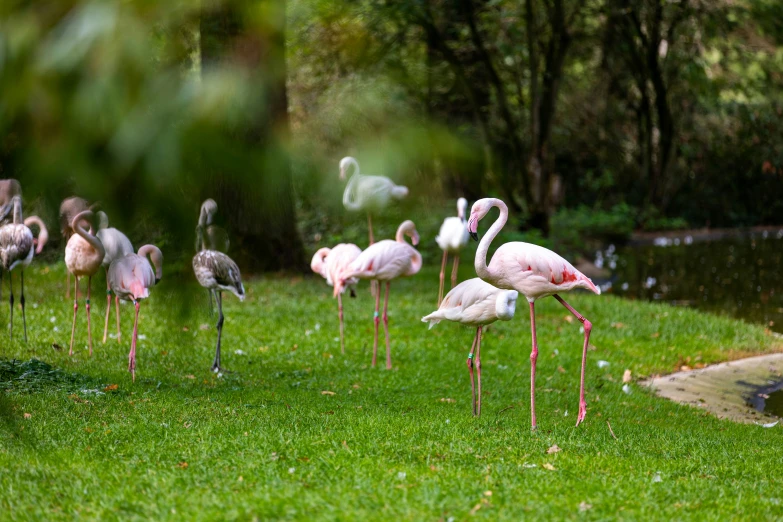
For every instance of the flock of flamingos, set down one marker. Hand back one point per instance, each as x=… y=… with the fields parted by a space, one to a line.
x=515 y=268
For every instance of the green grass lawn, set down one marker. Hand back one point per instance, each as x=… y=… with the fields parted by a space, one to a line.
x=265 y=442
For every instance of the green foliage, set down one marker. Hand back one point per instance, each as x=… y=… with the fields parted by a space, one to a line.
x=264 y=441
x=575 y=228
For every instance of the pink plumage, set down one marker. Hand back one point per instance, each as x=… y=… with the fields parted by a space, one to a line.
x=331 y=264
x=535 y=272
x=384 y=261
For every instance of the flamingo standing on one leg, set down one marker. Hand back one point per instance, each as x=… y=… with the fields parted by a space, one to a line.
x=17 y=247
x=368 y=193
x=116 y=245
x=475 y=303
x=216 y=272
x=83 y=257
x=68 y=210
x=130 y=278
x=330 y=263
x=452 y=239
x=535 y=272
x=384 y=261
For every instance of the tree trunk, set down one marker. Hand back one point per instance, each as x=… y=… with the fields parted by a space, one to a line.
x=253 y=188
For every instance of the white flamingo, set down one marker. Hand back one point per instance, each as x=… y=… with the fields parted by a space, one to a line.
x=534 y=272
x=475 y=303
x=452 y=238
x=83 y=257
x=17 y=247
x=368 y=193
x=116 y=245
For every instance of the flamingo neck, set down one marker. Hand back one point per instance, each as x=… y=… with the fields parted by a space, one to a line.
x=480 y=262
x=156 y=256
x=94 y=242
x=351 y=190
x=43 y=232
x=405 y=228
x=17 y=210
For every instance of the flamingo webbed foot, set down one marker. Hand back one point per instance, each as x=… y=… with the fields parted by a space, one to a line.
x=582 y=412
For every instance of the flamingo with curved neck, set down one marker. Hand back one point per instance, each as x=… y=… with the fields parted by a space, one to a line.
x=369 y=193
x=452 y=238
x=131 y=278
x=17 y=247
x=330 y=263
x=534 y=272
x=83 y=256
x=116 y=245
x=384 y=261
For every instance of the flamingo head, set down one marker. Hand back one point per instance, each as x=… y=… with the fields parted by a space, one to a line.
x=345 y=164
x=479 y=210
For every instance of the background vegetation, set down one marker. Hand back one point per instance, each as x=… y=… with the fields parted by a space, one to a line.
x=606 y=114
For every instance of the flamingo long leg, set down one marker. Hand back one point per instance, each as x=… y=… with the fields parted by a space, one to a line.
x=588 y=326
x=454 y=270
x=132 y=354
x=108 y=307
x=478 y=371
x=369 y=227
x=219 y=300
x=67 y=284
x=89 y=328
x=469 y=363
x=75 y=308
x=117 y=315
x=533 y=357
x=376 y=320
x=340 y=315
x=386 y=325
x=373 y=284
x=21 y=300
x=442 y=276
x=11 y=303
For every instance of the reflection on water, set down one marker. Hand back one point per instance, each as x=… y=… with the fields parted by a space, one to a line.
x=740 y=276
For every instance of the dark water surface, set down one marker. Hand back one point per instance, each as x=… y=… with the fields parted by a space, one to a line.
x=740 y=276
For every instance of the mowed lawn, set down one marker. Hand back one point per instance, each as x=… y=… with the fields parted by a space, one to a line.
x=299 y=431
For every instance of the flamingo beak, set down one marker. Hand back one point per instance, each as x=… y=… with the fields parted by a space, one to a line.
x=474 y=236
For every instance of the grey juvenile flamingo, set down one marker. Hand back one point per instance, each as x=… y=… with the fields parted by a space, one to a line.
x=116 y=245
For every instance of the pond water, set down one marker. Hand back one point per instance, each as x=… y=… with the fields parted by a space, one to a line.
x=740 y=275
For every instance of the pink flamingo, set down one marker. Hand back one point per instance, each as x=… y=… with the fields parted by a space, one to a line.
x=83 y=257
x=68 y=210
x=475 y=303
x=452 y=238
x=130 y=278
x=117 y=245
x=17 y=247
x=384 y=261
x=535 y=272
x=331 y=263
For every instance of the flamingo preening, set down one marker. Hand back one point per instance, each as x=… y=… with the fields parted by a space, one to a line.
x=116 y=245
x=535 y=272
x=83 y=257
x=368 y=193
x=475 y=303
x=331 y=263
x=130 y=278
x=17 y=247
x=384 y=261
x=217 y=272
x=68 y=210
x=452 y=238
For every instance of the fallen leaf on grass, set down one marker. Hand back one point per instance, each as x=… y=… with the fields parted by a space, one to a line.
x=110 y=387
x=656 y=335
x=553 y=449
x=57 y=346
x=28 y=415
x=561 y=369
x=203 y=327
x=617 y=325
x=327 y=392
x=190 y=376
x=627 y=389
x=602 y=364
x=182 y=465
x=547 y=465
x=568 y=319
x=584 y=506
x=627 y=376
x=444 y=399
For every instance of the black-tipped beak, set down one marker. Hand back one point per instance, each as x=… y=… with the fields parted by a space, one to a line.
x=474 y=236
x=157 y=280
